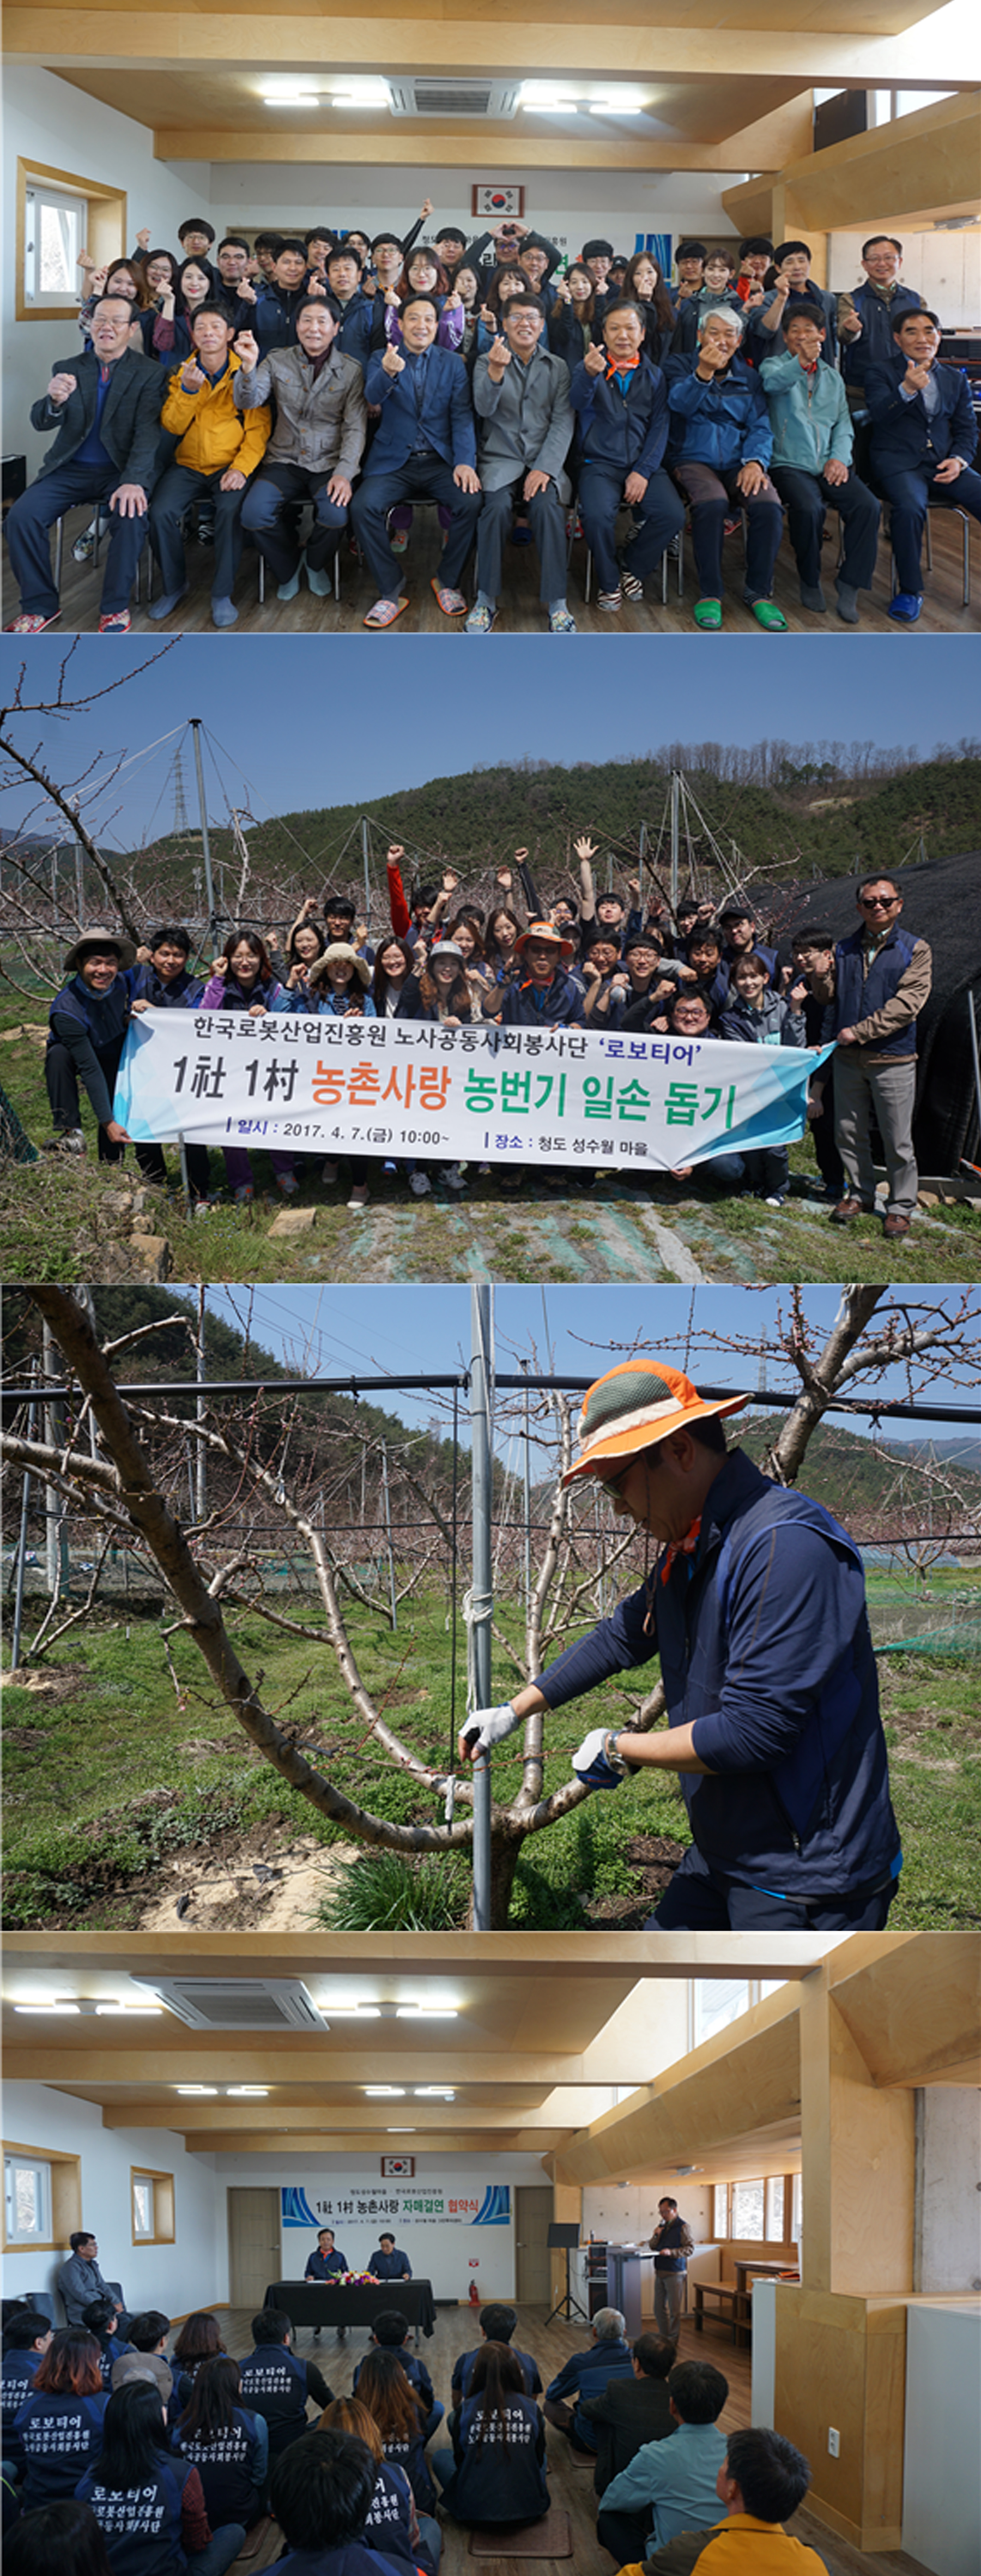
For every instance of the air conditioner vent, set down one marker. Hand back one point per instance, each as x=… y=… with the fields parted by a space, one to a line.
x=426 y=96
x=238 y=2003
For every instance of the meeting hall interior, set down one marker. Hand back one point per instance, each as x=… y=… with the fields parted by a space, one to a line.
x=202 y=2103
x=760 y=120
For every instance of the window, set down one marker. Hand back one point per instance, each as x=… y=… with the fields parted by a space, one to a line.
x=797 y=2209
x=720 y=2209
x=27 y=2184
x=748 y=2210
x=773 y=2229
x=54 y=233
x=59 y=214
x=151 y=2206
x=714 y=2002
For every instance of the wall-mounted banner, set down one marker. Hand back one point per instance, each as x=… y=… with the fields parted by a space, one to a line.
x=399 y=2206
x=481 y=1094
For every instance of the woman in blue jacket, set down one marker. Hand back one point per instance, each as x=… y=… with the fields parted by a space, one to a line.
x=59 y=2426
x=754 y=1603
x=496 y=2473
x=225 y=2443
x=755 y=1015
x=243 y=981
x=149 y=2504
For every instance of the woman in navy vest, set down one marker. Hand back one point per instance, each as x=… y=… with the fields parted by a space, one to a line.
x=498 y=2447
x=407 y=2539
x=228 y=2446
x=389 y=2396
x=56 y=2540
x=59 y=2426
x=150 y=2506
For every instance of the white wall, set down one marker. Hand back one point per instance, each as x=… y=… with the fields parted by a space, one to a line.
x=948 y=2210
x=448 y=2253
x=47 y=121
x=941 y=2487
x=176 y=2278
x=626 y=2213
x=567 y=205
x=943 y=267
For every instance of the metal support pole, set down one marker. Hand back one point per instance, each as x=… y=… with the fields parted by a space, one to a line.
x=201 y=1465
x=25 y=1502
x=55 y=1535
x=642 y=854
x=480 y=1466
x=80 y=884
x=675 y=836
x=366 y=863
x=527 y=1481
x=388 y=1535
x=195 y=723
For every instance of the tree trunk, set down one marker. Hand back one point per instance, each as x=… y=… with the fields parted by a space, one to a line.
x=505 y=1854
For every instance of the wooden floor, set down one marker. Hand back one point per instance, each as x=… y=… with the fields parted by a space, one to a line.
x=520 y=610
x=571 y=2486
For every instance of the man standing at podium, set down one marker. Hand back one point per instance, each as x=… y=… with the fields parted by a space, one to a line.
x=671 y=2243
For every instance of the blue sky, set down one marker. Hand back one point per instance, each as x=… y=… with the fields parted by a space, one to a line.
x=312 y=720
x=574 y=1331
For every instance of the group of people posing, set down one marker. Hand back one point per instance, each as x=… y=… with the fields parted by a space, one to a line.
x=360 y=377
x=140 y=2463
x=604 y=962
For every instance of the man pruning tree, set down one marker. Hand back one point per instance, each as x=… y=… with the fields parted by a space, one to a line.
x=754 y=1603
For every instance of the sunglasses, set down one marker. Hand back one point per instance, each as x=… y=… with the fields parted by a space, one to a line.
x=878 y=902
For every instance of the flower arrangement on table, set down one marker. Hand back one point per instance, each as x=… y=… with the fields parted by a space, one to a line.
x=358 y=2280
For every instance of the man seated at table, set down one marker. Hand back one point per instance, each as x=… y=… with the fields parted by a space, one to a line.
x=425 y=449
x=812 y=462
x=325 y=2264
x=720 y=459
x=621 y=402
x=389 y=2263
x=104 y=402
x=924 y=438
x=521 y=398
x=318 y=436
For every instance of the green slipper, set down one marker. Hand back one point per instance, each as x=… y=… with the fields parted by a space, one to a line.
x=770 y=618
x=708 y=613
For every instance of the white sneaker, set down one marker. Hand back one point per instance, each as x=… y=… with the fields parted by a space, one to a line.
x=420 y=1185
x=359 y=1195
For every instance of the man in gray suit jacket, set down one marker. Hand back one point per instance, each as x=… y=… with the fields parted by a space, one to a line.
x=525 y=420
x=80 y=2280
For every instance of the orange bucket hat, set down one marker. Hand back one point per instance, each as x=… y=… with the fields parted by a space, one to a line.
x=635 y=1405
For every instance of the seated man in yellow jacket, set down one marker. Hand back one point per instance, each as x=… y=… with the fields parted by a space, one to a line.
x=218 y=449
x=762 y=2481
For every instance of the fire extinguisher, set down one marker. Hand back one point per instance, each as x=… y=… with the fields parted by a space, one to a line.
x=474 y=2295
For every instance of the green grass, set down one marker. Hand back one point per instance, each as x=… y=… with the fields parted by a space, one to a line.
x=108 y=1774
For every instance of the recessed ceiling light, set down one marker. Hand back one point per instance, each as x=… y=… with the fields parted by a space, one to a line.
x=196 y=2088
x=617 y=105
x=427 y=2012
x=47 y=2008
x=385 y=2092
x=355 y=2012
x=246 y=2092
x=434 y=2093
x=400 y=2133
x=129 y=2008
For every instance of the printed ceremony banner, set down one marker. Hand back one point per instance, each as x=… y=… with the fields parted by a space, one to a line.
x=479 y=1094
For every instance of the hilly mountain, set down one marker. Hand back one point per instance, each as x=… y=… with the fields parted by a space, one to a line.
x=800 y=825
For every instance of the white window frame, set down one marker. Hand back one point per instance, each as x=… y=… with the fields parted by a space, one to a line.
x=40 y=193
x=747 y=2182
x=16 y=2162
x=774 y=2231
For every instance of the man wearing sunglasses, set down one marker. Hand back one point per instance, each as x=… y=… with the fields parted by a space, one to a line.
x=754 y=1604
x=882 y=979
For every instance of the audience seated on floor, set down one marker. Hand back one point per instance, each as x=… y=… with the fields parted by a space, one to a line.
x=669 y=2485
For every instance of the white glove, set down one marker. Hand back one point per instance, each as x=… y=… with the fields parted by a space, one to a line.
x=595 y=1765
x=489 y=1726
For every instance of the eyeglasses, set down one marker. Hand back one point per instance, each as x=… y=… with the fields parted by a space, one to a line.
x=614 y=1484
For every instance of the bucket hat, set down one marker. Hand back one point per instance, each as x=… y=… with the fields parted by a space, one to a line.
x=97 y=937
x=636 y=1404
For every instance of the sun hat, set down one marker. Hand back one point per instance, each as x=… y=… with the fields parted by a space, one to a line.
x=636 y=1404
x=545 y=930
x=97 y=937
x=339 y=948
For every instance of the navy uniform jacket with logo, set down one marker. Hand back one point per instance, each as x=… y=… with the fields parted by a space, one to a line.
x=463 y=2371
x=141 y=2525
x=17 y=2384
x=59 y=2436
x=228 y=2465
x=502 y=2478
x=275 y=2384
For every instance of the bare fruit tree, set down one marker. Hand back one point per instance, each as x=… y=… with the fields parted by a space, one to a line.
x=122 y=1488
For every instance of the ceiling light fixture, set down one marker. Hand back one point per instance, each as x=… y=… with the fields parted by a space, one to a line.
x=356 y=2012
x=246 y=2092
x=427 y=2012
x=61 y=2005
x=197 y=2089
x=434 y=2093
x=384 y=2092
x=619 y=104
